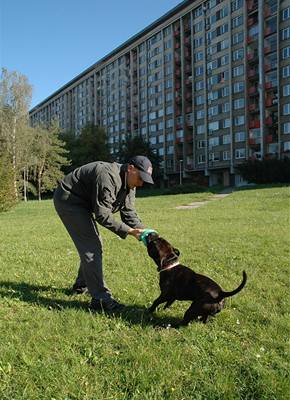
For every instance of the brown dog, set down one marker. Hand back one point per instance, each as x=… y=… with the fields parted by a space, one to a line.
x=178 y=282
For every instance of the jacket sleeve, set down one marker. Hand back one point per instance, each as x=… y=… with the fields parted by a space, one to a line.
x=128 y=212
x=104 y=205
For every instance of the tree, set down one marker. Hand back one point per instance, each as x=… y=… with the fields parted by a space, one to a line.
x=136 y=145
x=48 y=158
x=90 y=145
x=15 y=97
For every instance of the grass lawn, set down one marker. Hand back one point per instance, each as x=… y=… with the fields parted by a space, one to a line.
x=52 y=347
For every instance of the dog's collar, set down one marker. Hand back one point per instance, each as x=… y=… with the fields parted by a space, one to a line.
x=170 y=266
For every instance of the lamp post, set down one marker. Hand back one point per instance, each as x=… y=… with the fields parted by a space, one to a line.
x=180 y=171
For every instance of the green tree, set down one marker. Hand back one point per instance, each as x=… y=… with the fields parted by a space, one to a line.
x=48 y=158
x=90 y=145
x=15 y=97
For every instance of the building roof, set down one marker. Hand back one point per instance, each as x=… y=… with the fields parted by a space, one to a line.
x=130 y=41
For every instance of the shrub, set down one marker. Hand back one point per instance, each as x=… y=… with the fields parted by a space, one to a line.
x=7 y=191
x=266 y=171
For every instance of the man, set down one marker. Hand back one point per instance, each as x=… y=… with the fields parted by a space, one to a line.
x=102 y=189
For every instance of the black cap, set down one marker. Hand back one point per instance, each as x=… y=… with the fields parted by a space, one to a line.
x=143 y=164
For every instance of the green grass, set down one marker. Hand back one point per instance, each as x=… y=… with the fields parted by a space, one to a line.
x=51 y=347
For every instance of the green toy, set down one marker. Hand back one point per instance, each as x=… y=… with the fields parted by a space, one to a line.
x=144 y=235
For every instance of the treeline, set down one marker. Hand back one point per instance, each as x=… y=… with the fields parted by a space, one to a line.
x=34 y=159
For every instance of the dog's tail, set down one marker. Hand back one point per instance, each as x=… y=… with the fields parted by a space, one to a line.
x=235 y=291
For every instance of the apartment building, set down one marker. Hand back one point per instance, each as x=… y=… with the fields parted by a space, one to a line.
x=207 y=84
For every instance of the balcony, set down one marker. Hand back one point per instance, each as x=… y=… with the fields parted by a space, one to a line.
x=177 y=72
x=252 y=107
x=177 y=45
x=176 y=33
x=268 y=31
x=267 y=50
x=178 y=100
x=187 y=82
x=177 y=60
x=267 y=67
x=252 y=141
x=187 y=41
x=252 y=90
x=252 y=73
x=252 y=5
x=269 y=138
x=189 y=138
x=269 y=121
x=267 y=12
x=188 y=96
x=251 y=21
x=254 y=124
x=268 y=85
x=188 y=109
x=177 y=85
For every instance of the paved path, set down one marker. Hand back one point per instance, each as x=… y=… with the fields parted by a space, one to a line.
x=218 y=196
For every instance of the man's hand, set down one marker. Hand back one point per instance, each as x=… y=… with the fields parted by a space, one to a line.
x=136 y=232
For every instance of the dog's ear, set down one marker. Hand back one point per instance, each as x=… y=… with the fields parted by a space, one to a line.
x=176 y=251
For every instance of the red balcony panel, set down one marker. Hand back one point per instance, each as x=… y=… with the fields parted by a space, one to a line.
x=187 y=81
x=188 y=109
x=177 y=45
x=178 y=99
x=186 y=27
x=269 y=101
x=251 y=124
x=267 y=12
x=257 y=123
x=187 y=41
x=177 y=85
x=267 y=67
x=250 y=22
x=252 y=141
x=189 y=138
x=250 y=56
x=177 y=72
x=267 y=50
x=267 y=31
x=252 y=90
x=251 y=73
x=269 y=121
x=178 y=126
x=176 y=33
x=252 y=107
x=268 y=85
x=269 y=139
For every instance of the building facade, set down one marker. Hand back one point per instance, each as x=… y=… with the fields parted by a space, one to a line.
x=207 y=84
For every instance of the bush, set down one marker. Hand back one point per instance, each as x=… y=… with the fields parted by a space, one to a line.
x=7 y=191
x=266 y=171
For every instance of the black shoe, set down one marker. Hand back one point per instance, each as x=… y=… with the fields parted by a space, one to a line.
x=76 y=289
x=107 y=306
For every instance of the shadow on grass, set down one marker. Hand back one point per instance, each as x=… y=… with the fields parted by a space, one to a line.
x=36 y=295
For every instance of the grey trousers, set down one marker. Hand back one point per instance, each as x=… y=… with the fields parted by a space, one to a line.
x=83 y=230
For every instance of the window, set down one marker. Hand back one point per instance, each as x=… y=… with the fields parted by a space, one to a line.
x=199 y=85
x=239 y=120
x=200 y=114
x=153 y=140
x=168 y=97
x=168 y=44
x=286 y=146
x=201 y=159
x=237 y=21
x=286 y=33
x=286 y=52
x=240 y=153
x=169 y=110
x=213 y=111
x=169 y=123
x=240 y=136
x=167 y=31
x=198 y=71
x=286 y=127
x=197 y=42
x=161 y=151
x=225 y=91
x=213 y=157
x=226 y=123
x=286 y=13
x=238 y=54
x=213 y=142
x=239 y=87
x=199 y=100
x=237 y=37
x=201 y=144
x=286 y=71
x=200 y=129
x=170 y=150
x=286 y=109
x=213 y=126
x=226 y=155
x=226 y=139
x=237 y=71
x=224 y=60
x=167 y=57
x=239 y=103
x=236 y=4
x=286 y=90
x=198 y=56
x=226 y=107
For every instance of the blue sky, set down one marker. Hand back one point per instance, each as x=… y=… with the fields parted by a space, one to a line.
x=52 y=41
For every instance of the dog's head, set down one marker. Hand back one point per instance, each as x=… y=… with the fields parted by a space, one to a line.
x=161 y=251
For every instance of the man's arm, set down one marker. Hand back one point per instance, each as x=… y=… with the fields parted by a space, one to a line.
x=104 y=205
x=128 y=213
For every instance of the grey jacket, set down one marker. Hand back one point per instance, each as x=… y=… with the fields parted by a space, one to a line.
x=100 y=187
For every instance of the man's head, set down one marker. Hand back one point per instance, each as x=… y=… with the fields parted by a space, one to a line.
x=139 y=171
